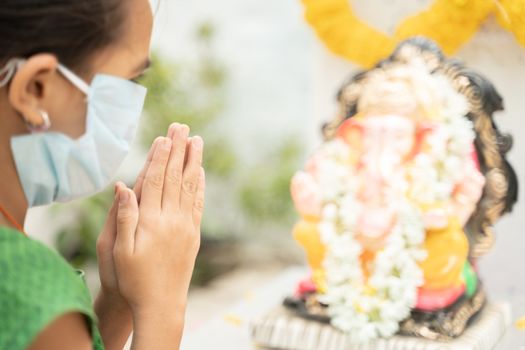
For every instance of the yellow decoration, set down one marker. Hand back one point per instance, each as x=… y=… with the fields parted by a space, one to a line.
x=307 y=234
x=319 y=279
x=511 y=15
x=233 y=320
x=447 y=251
x=450 y=23
x=520 y=323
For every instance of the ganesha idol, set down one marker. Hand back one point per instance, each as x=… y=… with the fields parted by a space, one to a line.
x=383 y=145
x=398 y=203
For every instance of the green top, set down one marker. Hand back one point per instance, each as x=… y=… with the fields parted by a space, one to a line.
x=36 y=287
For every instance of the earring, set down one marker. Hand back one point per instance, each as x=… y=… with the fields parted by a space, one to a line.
x=45 y=125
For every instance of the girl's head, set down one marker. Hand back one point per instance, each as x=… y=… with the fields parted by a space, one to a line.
x=87 y=36
x=67 y=110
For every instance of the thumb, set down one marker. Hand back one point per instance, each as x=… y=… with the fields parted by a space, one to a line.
x=127 y=219
x=106 y=239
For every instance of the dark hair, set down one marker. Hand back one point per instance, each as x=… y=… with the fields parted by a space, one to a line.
x=71 y=29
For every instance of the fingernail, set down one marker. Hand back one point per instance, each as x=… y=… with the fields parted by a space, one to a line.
x=185 y=130
x=171 y=130
x=123 y=197
x=166 y=143
x=158 y=140
x=119 y=186
x=197 y=143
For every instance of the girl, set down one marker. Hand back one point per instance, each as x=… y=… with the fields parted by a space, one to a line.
x=68 y=109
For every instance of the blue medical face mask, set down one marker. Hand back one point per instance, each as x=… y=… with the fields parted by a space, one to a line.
x=54 y=167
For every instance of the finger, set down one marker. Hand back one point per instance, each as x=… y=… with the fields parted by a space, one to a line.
x=190 y=179
x=188 y=146
x=175 y=169
x=152 y=188
x=111 y=221
x=106 y=239
x=140 y=178
x=198 y=206
x=171 y=129
x=127 y=220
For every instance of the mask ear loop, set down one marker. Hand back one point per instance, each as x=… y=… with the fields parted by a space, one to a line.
x=9 y=70
x=74 y=79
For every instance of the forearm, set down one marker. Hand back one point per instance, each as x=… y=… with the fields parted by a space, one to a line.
x=115 y=320
x=159 y=328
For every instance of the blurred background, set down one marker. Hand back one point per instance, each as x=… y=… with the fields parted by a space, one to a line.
x=252 y=78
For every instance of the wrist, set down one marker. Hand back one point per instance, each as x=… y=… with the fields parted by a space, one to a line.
x=167 y=320
x=110 y=300
x=111 y=307
x=158 y=327
x=166 y=313
x=115 y=319
x=158 y=309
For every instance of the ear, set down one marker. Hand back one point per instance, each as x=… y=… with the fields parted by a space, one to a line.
x=351 y=131
x=30 y=85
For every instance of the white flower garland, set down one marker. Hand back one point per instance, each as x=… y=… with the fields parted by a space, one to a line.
x=368 y=307
x=375 y=309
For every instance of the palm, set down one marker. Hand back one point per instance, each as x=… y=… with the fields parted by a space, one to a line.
x=106 y=240
x=105 y=244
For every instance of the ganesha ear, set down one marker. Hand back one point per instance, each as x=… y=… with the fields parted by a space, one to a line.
x=474 y=156
x=351 y=131
x=306 y=194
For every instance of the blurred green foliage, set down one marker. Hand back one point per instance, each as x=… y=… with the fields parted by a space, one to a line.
x=191 y=94
x=194 y=93
x=77 y=240
x=265 y=194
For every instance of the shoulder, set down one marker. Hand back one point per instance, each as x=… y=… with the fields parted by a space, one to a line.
x=68 y=331
x=37 y=286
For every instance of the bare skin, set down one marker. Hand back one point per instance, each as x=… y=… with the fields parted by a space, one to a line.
x=74 y=337
x=151 y=238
